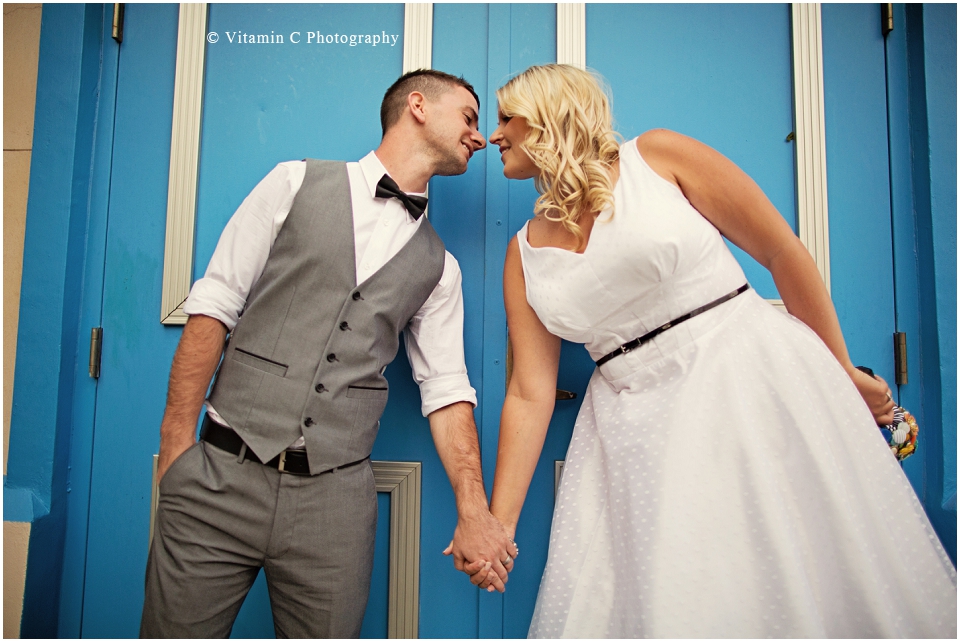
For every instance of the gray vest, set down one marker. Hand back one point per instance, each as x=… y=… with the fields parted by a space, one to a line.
x=308 y=354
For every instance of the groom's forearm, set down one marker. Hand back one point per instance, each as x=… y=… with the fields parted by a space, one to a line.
x=455 y=436
x=479 y=541
x=194 y=363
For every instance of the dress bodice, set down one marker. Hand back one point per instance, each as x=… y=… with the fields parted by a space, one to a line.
x=650 y=259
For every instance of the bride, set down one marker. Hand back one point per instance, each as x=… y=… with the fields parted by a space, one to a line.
x=726 y=477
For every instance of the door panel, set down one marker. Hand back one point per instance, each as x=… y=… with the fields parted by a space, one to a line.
x=268 y=103
x=263 y=104
x=718 y=73
x=136 y=349
x=667 y=66
x=858 y=178
x=723 y=74
x=449 y=604
x=520 y=35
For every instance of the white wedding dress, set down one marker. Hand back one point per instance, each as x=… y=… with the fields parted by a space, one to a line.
x=725 y=480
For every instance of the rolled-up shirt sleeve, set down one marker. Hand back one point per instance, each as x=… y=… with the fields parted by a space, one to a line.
x=244 y=246
x=434 y=341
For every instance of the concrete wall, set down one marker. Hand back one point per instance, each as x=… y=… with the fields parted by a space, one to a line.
x=21 y=45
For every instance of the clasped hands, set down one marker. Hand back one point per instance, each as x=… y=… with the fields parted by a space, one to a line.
x=483 y=549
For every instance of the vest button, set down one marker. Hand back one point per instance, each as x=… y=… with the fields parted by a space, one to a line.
x=356 y=296
x=319 y=387
x=308 y=422
x=331 y=357
x=344 y=325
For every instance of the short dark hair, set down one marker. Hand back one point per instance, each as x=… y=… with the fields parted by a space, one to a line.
x=429 y=82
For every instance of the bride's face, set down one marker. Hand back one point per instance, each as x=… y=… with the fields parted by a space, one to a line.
x=510 y=132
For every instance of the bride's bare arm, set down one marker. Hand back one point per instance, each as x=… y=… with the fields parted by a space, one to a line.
x=530 y=398
x=736 y=206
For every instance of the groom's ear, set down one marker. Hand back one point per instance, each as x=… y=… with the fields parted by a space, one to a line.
x=416 y=103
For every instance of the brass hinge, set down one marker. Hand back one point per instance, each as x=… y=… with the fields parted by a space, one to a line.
x=118 y=21
x=886 y=17
x=900 y=357
x=96 y=347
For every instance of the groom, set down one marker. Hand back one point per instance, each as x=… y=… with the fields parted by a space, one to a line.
x=326 y=262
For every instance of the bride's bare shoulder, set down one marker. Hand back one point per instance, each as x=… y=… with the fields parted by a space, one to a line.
x=661 y=149
x=657 y=141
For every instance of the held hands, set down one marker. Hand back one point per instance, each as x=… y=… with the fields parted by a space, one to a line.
x=483 y=549
x=876 y=393
x=480 y=572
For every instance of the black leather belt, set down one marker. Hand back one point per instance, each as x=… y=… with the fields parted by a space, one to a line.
x=639 y=341
x=289 y=461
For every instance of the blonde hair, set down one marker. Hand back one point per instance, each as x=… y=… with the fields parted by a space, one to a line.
x=571 y=140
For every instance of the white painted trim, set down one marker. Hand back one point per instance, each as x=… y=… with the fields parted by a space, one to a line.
x=572 y=34
x=810 y=144
x=402 y=480
x=154 y=499
x=557 y=474
x=418 y=43
x=184 y=162
x=417 y=36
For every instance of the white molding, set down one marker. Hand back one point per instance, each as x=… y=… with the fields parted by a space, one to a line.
x=184 y=162
x=572 y=34
x=402 y=480
x=418 y=42
x=417 y=36
x=810 y=144
x=154 y=499
x=557 y=474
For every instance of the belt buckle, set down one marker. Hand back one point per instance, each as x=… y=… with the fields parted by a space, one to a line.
x=282 y=462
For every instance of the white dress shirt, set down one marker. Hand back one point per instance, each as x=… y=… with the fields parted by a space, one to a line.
x=381 y=227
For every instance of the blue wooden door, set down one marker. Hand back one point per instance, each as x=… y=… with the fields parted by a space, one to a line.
x=264 y=103
x=137 y=349
x=720 y=73
x=723 y=74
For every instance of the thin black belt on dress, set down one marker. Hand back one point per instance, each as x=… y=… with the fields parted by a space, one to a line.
x=289 y=461
x=639 y=341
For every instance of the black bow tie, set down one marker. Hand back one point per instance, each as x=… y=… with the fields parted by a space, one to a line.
x=388 y=188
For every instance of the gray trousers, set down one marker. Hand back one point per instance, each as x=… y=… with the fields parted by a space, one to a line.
x=219 y=521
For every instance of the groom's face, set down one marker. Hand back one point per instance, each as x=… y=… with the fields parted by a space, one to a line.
x=453 y=132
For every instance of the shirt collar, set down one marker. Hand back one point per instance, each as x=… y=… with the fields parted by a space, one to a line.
x=373 y=171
